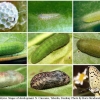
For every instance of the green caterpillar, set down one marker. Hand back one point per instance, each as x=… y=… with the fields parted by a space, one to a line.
x=10 y=48
x=89 y=46
x=92 y=17
x=49 y=45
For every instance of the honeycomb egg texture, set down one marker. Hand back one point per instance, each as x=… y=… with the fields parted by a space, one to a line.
x=8 y=15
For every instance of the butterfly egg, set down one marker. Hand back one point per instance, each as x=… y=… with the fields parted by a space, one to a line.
x=46 y=80
x=8 y=15
x=10 y=78
x=89 y=46
x=92 y=17
x=48 y=16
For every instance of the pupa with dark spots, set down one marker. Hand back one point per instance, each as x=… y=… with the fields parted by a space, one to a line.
x=46 y=80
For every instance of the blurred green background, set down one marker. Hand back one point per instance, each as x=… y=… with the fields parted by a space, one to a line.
x=18 y=89
x=62 y=23
x=58 y=91
x=82 y=8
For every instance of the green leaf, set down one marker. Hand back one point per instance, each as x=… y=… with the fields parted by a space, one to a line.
x=38 y=93
x=58 y=91
x=35 y=39
x=82 y=58
x=61 y=23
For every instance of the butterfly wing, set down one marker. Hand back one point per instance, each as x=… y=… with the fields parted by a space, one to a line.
x=94 y=79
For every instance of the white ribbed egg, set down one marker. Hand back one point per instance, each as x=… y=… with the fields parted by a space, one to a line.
x=8 y=15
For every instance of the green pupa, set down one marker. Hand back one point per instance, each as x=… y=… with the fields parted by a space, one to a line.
x=90 y=47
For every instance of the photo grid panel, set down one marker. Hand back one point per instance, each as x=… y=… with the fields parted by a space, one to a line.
x=86 y=41
x=50 y=48
x=13 y=48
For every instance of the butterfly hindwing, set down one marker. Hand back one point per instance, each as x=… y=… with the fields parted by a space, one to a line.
x=94 y=79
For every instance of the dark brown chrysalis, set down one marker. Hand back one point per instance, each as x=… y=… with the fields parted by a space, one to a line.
x=46 y=80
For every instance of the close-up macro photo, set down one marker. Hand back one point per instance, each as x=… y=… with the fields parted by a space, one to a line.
x=49 y=16
x=13 y=17
x=13 y=48
x=50 y=48
x=13 y=80
x=86 y=80
x=86 y=16
x=50 y=80
x=86 y=48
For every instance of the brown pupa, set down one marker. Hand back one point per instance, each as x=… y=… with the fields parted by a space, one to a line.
x=46 y=80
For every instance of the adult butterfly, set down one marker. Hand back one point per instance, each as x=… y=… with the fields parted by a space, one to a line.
x=94 y=80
